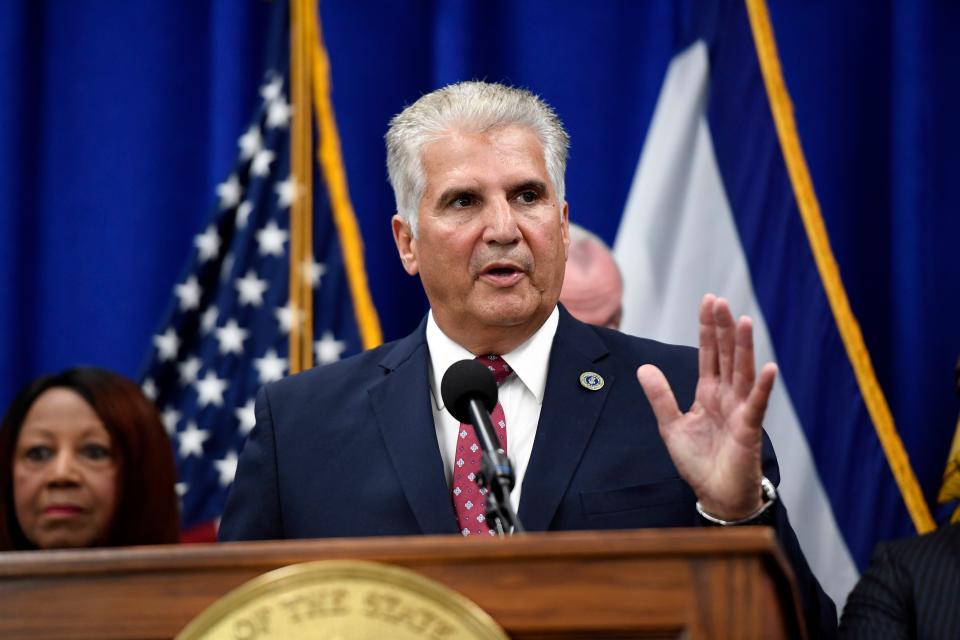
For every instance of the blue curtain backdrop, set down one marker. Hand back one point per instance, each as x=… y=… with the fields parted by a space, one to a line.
x=119 y=119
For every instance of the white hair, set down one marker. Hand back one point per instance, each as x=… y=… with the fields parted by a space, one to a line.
x=580 y=234
x=473 y=107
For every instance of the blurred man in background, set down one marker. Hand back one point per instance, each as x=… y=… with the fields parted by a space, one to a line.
x=592 y=286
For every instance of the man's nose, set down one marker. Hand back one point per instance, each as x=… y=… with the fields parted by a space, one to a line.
x=501 y=223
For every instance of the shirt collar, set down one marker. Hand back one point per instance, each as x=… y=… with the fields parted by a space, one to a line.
x=529 y=361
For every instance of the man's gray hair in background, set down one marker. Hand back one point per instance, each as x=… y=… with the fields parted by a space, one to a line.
x=474 y=107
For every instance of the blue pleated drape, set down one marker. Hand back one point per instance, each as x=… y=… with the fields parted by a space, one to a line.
x=118 y=119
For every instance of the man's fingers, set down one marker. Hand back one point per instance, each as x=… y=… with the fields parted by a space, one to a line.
x=743 y=367
x=756 y=404
x=659 y=394
x=726 y=339
x=709 y=368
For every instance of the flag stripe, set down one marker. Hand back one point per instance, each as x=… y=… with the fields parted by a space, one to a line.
x=331 y=163
x=847 y=324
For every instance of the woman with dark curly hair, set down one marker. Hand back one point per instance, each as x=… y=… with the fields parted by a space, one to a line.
x=85 y=462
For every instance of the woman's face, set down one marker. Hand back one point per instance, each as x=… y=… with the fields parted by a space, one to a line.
x=64 y=473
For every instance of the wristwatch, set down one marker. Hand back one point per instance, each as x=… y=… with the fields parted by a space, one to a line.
x=762 y=516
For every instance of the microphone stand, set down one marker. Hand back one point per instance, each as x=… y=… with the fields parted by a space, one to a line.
x=496 y=478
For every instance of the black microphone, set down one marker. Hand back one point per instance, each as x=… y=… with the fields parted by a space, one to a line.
x=469 y=392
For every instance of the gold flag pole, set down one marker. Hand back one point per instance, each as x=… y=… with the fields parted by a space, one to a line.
x=330 y=159
x=301 y=209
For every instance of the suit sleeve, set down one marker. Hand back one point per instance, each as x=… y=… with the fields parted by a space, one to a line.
x=819 y=611
x=253 y=506
x=879 y=606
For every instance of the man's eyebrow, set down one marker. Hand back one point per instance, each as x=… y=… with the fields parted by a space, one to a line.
x=454 y=192
x=529 y=185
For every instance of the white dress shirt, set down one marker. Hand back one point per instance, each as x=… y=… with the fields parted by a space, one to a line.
x=520 y=395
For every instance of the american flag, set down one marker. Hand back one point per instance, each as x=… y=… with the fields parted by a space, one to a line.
x=226 y=332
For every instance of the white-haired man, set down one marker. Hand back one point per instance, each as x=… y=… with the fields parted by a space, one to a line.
x=366 y=447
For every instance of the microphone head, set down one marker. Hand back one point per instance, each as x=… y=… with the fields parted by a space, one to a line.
x=466 y=379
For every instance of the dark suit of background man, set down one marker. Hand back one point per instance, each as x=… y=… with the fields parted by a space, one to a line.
x=364 y=447
x=911 y=588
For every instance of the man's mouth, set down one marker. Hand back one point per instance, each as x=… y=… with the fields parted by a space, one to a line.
x=502 y=275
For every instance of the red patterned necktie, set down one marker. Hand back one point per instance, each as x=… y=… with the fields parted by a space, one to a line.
x=469 y=500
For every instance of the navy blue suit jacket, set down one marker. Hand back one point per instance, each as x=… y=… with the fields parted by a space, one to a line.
x=350 y=449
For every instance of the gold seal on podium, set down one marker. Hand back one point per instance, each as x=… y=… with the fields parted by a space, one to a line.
x=342 y=600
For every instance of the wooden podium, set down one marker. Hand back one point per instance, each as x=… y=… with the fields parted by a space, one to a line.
x=668 y=583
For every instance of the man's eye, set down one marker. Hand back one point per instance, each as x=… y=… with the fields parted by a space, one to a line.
x=95 y=452
x=38 y=453
x=462 y=202
x=528 y=197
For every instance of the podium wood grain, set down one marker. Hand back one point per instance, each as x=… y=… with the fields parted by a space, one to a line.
x=670 y=583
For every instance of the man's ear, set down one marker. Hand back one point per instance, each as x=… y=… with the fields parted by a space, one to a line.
x=406 y=244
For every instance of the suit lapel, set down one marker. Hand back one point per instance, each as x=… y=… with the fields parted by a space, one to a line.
x=567 y=419
x=401 y=404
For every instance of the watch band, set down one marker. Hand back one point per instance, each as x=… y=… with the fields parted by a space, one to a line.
x=762 y=516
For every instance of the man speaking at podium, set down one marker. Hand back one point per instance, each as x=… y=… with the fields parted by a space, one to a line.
x=365 y=446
